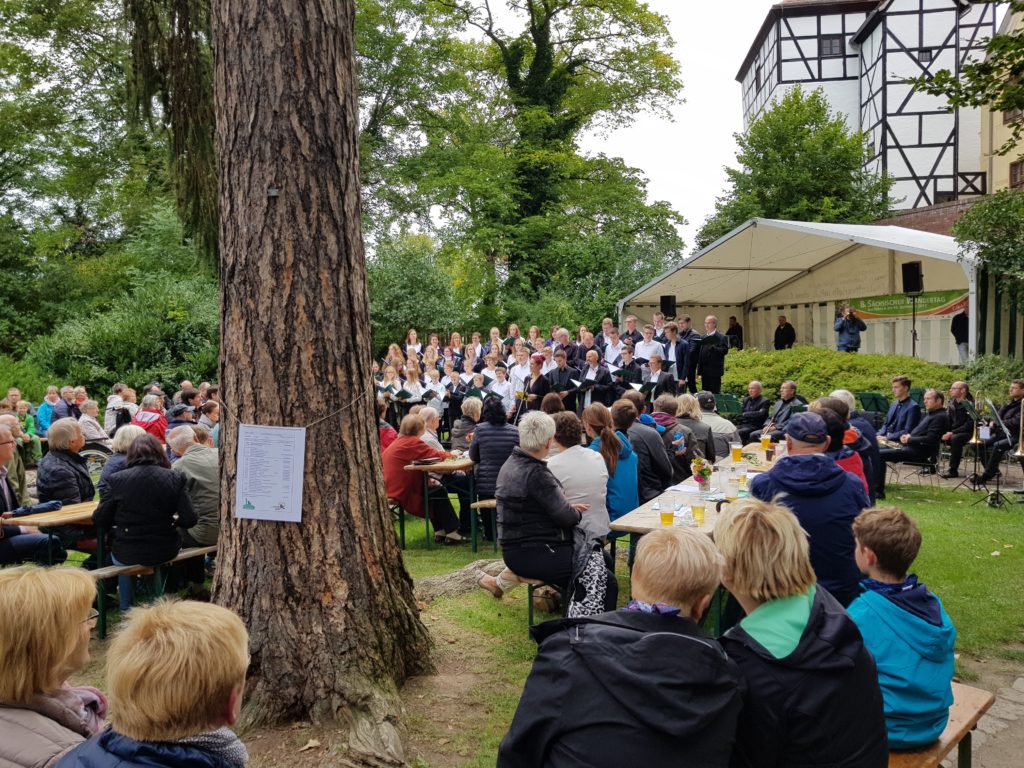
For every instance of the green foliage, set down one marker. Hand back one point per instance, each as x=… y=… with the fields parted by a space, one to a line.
x=20 y=288
x=818 y=371
x=166 y=328
x=24 y=375
x=993 y=231
x=991 y=375
x=799 y=162
x=993 y=81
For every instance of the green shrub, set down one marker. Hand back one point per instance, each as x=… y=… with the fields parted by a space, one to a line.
x=166 y=329
x=818 y=371
x=24 y=375
x=991 y=375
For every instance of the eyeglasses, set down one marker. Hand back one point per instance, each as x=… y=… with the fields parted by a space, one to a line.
x=93 y=617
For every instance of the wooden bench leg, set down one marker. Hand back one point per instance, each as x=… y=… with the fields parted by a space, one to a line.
x=963 y=752
x=101 y=602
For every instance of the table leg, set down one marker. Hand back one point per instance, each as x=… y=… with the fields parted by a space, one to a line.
x=472 y=513
x=426 y=505
x=963 y=751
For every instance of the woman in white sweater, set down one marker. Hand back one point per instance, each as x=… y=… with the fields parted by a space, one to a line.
x=584 y=480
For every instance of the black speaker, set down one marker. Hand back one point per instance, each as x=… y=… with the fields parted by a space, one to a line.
x=913 y=280
x=668 y=306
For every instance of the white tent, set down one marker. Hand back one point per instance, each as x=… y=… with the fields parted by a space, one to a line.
x=767 y=267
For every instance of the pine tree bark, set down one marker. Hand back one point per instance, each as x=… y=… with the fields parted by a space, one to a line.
x=329 y=606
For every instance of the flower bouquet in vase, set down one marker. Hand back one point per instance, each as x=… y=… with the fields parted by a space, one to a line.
x=701 y=474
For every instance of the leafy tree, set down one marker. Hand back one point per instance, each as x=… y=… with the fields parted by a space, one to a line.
x=993 y=231
x=996 y=82
x=799 y=162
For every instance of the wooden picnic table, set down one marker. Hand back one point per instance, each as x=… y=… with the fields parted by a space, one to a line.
x=750 y=450
x=70 y=514
x=446 y=467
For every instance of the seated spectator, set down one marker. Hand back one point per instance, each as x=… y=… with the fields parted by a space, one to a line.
x=175 y=674
x=552 y=402
x=44 y=640
x=16 y=466
x=385 y=431
x=921 y=443
x=582 y=474
x=120 y=444
x=213 y=394
x=66 y=407
x=688 y=414
x=679 y=440
x=145 y=506
x=812 y=696
x=209 y=415
x=654 y=471
x=203 y=436
x=63 y=474
x=723 y=431
x=493 y=441
x=19 y=543
x=842 y=454
x=200 y=466
x=91 y=429
x=115 y=408
x=595 y=698
x=780 y=413
x=454 y=482
x=903 y=414
x=33 y=449
x=180 y=415
x=754 y=411
x=44 y=413
x=465 y=424
x=905 y=627
x=81 y=395
x=619 y=457
x=535 y=520
x=869 y=449
x=407 y=487
x=151 y=416
x=825 y=499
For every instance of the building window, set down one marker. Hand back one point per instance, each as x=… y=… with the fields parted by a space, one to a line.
x=1017 y=174
x=944 y=197
x=758 y=77
x=830 y=46
x=925 y=55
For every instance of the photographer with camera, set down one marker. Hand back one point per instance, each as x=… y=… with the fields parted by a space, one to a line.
x=849 y=328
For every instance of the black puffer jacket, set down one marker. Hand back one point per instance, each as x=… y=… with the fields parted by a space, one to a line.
x=623 y=689
x=818 y=707
x=64 y=476
x=491 y=446
x=532 y=510
x=141 y=503
x=655 y=468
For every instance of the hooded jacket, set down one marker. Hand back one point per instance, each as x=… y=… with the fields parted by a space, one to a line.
x=818 y=707
x=911 y=637
x=37 y=733
x=825 y=498
x=653 y=465
x=151 y=420
x=595 y=697
x=623 y=484
x=673 y=430
x=111 y=749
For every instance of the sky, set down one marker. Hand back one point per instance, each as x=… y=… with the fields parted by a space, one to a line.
x=683 y=159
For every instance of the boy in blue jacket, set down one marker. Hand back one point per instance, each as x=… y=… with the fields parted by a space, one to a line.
x=905 y=627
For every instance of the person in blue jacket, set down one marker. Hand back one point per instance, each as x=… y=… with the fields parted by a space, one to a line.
x=849 y=327
x=905 y=627
x=825 y=499
x=903 y=414
x=175 y=675
x=619 y=457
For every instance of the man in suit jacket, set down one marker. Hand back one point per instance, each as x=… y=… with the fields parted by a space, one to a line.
x=629 y=372
x=676 y=353
x=663 y=381
x=691 y=338
x=585 y=347
x=711 y=363
x=755 y=409
x=904 y=414
x=961 y=426
x=922 y=442
x=561 y=376
x=631 y=331
x=998 y=444
x=780 y=413
x=601 y=390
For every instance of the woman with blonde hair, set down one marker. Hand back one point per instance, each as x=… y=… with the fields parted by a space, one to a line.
x=619 y=457
x=44 y=639
x=688 y=414
x=812 y=688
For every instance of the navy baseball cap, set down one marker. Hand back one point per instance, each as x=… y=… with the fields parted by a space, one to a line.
x=807 y=428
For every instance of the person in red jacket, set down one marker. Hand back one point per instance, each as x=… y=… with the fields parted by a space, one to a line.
x=844 y=455
x=387 y=433
x=407 y=487
x=151 y=417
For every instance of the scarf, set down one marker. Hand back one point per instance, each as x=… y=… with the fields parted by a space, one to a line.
x=223 y=743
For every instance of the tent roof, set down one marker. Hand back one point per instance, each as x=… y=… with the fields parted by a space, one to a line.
x=761 y=255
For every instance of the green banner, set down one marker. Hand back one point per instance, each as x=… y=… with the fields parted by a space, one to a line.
x=899 y=305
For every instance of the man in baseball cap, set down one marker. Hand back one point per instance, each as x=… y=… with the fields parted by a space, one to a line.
x=825 y=499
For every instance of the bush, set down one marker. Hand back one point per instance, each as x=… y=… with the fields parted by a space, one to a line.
x=991 y=375
x=24 y=375
x=818 y=371
x=166 y=329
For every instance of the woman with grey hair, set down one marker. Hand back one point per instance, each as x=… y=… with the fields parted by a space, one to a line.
x=535 y=520
x=122 y=441
x=463 y=428
x=90 y=424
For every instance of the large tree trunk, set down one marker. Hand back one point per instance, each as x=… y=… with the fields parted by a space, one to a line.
x=329 y=606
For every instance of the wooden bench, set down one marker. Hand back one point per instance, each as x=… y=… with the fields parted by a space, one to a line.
x=111 y=571
x=395 y=506
x=492 y=505
x=969 y=704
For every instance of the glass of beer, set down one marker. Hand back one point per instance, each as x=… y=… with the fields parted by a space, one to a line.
x=697 y=510
x=732 y=489
x=766 y=442
x=737 y=452
x=667 y=517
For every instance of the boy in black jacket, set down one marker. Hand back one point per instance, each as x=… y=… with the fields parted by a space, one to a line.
x=639 y=686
